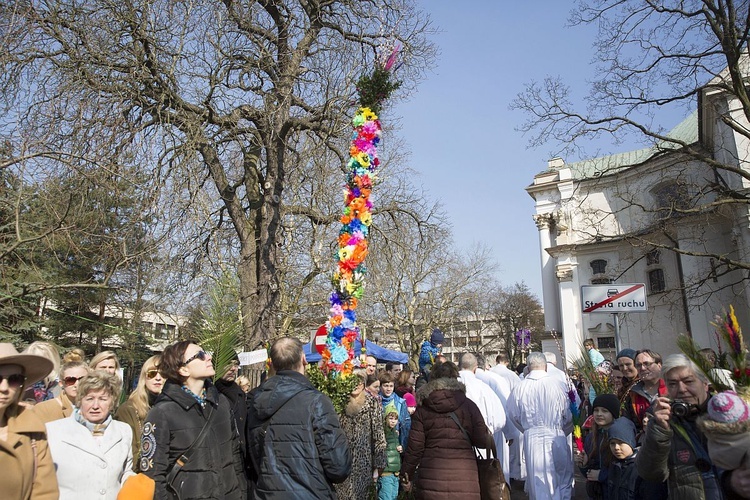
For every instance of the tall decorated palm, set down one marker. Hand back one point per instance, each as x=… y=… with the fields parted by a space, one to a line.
x=339 y=357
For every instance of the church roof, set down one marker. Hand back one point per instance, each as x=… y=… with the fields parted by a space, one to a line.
x=686 y=131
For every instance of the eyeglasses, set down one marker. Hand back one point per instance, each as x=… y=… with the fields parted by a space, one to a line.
x=202 y=355
x=645 y=364
x=14 y=380
x=153 y=372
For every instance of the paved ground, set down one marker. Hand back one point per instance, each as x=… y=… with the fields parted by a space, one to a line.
x=517 y=492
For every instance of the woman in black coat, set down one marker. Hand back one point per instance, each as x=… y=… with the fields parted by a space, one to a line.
x=188 y=400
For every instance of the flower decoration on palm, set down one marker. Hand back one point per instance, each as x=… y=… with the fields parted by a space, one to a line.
x=348 y=280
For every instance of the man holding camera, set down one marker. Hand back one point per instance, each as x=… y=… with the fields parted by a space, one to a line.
x=674 y=448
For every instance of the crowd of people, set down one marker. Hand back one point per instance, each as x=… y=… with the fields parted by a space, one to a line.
x=185 y=433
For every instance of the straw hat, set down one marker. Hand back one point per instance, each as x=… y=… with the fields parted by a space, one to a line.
x=35 y=368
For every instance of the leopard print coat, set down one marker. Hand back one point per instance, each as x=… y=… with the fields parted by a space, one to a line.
x=362 y=422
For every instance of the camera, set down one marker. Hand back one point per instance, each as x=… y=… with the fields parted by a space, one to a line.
x=681 y=408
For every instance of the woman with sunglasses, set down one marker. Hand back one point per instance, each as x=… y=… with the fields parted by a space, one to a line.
x=25 y=460
x=189 y=405
x=62 y=405
x=133 y=411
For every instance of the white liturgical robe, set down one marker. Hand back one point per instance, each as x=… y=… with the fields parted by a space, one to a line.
x=517 y=463
x=539 y=407
x=488 y=403
x=501 y=388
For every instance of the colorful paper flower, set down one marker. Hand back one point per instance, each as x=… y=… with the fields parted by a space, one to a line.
x=339 y=359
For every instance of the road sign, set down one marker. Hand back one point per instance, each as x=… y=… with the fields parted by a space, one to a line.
x=320 y=339
x=612 y=298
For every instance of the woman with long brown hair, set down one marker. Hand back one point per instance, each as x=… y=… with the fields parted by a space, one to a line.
x=406 y=382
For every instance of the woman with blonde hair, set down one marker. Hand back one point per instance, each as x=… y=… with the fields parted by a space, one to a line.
x=49 y=387
x=28 y=472
x=62 y=406
x=106 y=361
x=75 y=354
x=133 y=411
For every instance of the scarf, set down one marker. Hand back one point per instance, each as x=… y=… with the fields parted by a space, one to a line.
x=200 y=398
x=95 y=429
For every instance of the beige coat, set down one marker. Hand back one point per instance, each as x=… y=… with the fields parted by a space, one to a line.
x=26 y=438
x=54 y=409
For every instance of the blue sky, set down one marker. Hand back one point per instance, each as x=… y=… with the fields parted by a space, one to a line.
x=462 y=135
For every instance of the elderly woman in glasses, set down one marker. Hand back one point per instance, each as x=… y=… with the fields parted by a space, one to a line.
x=133 y=412
x=92 y=452
x=62 y=406
x=25 y=461
x=190 y=419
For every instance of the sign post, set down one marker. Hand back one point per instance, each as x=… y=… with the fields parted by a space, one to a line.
x=613 y=299
x=320 y=339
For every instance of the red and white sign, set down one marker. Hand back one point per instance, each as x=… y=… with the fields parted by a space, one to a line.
x=612 y=298
x=320 y=339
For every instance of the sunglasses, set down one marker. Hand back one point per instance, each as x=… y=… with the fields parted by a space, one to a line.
x=15 y=380
x=71 y=380
x=153 y=372
x=202 y=355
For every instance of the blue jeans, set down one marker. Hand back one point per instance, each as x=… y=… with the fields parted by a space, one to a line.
x=388 y=487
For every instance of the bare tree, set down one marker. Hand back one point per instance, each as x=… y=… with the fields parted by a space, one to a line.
x=228 y=88
x=418 y=280
x=652 y=56
x=513 y=309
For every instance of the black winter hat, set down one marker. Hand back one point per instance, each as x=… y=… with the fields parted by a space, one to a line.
x=437 y=337
x=608 y=402
x=623 y=429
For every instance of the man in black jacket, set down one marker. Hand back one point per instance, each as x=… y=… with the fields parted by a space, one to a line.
x=238 y=407
x=295 y=442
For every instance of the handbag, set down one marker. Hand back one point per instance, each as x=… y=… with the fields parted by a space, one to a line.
x=185 y=457
x=492 y=484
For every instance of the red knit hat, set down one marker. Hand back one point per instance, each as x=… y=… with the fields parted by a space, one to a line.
x=409 y=398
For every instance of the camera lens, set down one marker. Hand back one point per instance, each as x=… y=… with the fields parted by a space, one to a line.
x=680 y=408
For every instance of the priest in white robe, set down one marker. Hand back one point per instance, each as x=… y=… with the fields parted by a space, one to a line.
x=485 y=398
x=539 y=407
x=501 y=388
x=517 y=462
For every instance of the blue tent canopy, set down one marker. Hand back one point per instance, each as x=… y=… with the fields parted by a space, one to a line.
x=382 y=354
